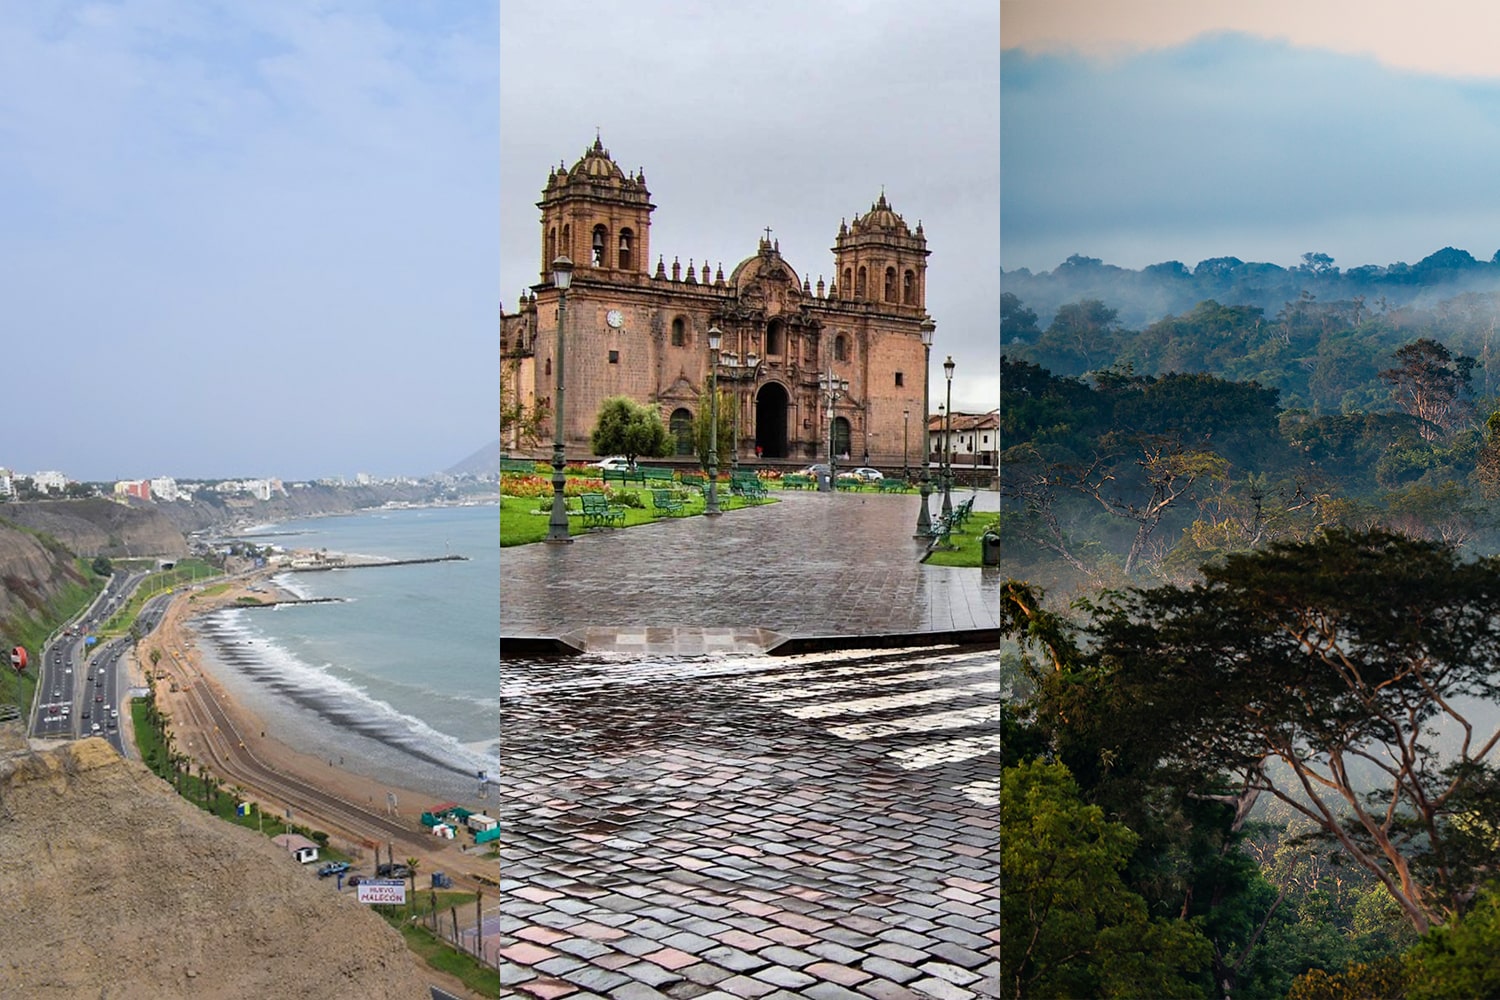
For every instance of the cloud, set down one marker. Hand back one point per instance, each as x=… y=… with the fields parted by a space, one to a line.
x=1232 y=145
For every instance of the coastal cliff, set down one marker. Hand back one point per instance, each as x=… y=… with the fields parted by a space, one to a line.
x=34 y=572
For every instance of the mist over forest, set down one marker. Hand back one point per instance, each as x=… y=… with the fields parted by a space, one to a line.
x=1249 y=514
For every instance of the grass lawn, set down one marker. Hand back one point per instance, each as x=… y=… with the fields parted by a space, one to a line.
x=966 y=551
x=524 y=519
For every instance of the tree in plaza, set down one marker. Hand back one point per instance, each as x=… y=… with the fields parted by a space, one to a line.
x=1433 y=385
x=1069 y=925
x=1345 y=677
x=521 y=425
x=625 y=427
x=702 y=424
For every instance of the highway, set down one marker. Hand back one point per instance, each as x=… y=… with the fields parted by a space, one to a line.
x=77 y=682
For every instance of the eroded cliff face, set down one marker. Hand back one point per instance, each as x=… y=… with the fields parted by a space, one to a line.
x=100 y=527
x=117 y=887
x=33 y=573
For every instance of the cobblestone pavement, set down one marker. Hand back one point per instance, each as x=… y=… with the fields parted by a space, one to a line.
x=811 y=564
x=820 y=826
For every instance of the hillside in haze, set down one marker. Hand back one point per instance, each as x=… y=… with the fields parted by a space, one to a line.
x=483 y=463
x=1172 y=288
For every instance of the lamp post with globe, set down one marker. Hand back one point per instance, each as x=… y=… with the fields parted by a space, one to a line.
x=947 y=457
x=557 y=523
x=711 y=508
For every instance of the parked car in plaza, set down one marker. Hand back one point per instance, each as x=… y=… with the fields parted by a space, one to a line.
x=864 y=474
x=612 y=464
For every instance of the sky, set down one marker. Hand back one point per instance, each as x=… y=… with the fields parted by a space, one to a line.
x=1143 y=132
x=248 y=239
x=777 y=114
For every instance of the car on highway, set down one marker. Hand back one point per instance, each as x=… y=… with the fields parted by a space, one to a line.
x=57 y=692
x=98 y=698
x=94 y=728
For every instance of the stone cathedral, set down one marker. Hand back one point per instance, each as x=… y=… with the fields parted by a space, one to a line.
x=638 y=328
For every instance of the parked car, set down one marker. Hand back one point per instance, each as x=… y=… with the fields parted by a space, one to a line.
x=392 y=871
x=816 y=470
x=612 y=464
x=864 y=474
x=333 y=868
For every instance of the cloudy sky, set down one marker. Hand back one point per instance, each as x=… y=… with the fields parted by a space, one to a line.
x=777 y=113
x=247 y=239
x=1143 y=132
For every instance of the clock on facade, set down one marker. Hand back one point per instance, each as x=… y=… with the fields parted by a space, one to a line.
x=615 y=318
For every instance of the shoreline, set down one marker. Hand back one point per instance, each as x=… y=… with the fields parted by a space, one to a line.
x=187 y=671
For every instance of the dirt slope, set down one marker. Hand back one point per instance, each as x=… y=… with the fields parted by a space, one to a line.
x=116 y=888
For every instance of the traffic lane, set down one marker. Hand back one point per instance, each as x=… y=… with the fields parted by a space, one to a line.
x=768 y=827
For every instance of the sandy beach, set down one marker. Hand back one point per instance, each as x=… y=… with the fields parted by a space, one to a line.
x=245 y=750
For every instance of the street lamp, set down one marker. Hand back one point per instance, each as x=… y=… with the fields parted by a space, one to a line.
x=557 y=524
x=738 y=371
x=905 y=422
x=835 y=387
x=948 y=367
x=924 y=517
x=711 y=509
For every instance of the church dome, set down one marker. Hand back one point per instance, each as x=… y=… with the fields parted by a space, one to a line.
x=881 y=218
x=596 y=165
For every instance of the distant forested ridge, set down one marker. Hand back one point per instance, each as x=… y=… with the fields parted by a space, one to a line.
x=1171 y=287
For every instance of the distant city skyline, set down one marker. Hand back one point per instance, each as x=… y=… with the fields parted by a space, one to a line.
x=248 y=238
x=1146 y=133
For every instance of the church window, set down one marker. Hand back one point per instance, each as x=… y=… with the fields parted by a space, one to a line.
x=859 y=285
x=890 y=284
x=567 y=243
x=900 y=379
x=679 y=333
x=549 y=367
x=614 y=357
x=848 y=280
x=773 y=337
x=551 y=245
x=909 y=288
x=840 y=348
x=626 y=238
x=681 y=426
x=601 y=238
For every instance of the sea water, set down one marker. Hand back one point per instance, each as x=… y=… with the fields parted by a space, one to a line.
x=398 y=676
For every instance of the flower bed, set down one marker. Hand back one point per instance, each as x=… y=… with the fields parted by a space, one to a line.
x=541 y=486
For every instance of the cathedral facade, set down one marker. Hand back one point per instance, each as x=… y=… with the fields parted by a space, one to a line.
x=641 y=331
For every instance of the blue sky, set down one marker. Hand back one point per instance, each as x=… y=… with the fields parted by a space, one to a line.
x=1212 y=132
x=778 y=113
x=248 y=239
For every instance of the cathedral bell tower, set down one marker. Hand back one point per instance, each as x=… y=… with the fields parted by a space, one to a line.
x=880 y=261
x=599 y=216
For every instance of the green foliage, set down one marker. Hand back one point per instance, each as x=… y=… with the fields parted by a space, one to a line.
x=624 y=427
x=1383 y=979
x=1458 y=961
x=702 y=425
x=102 y=566
x=1069 y=925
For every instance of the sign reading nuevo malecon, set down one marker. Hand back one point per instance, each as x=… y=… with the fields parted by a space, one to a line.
x=381 y=890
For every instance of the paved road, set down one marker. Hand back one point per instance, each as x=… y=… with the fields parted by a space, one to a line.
x=812 y=564
x=820 y=827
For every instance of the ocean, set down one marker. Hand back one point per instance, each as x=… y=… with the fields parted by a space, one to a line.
x=399 y=678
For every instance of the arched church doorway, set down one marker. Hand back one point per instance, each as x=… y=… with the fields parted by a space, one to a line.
x=770 y=420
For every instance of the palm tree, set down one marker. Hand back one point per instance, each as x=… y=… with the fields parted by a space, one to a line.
x=411 y=874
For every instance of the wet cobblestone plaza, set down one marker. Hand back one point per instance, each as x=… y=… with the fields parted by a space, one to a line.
x=742 y=825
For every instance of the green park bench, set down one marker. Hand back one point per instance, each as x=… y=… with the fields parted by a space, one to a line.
x=525 y=466
x=623 y=476
x=693 y=479
x=796 y=481
x=652 y=476
x=849 y=483
x=962 y=511
x=598 y=512
x=666 y=503
x=747 y=485
x=891 y=486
